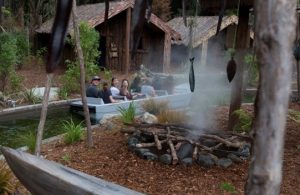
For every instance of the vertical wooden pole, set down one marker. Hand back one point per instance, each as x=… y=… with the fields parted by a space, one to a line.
x=274 y=34
x=237 y=83
x=167 y=53
x=127 y=41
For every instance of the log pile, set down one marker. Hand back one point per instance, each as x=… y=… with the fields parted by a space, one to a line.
x=169 y=138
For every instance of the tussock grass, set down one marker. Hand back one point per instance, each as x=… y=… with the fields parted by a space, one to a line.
x=127 y=115
x=172 y=116
x=28 y=139
x=155 y=107
x=74 y=133
x=6 y=179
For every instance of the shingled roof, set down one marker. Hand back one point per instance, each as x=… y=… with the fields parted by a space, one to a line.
x=93 y=14
x=203 y=28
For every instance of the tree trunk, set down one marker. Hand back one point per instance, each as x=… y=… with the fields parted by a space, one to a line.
x=1 y=4
x=274 y=32
x=40 y=130
x=107 y=47
x=82 y=76
x=237 y=83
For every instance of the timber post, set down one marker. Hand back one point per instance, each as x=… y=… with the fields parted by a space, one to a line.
x=237 y=83
x=127 y=41
x=167 y=53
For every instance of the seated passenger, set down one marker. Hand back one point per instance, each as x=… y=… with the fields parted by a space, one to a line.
x=106 y=94
x=124 y=91
x=136 y=84
x=92 y=90
x=114 y=87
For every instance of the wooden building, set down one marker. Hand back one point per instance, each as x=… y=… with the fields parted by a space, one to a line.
x=154 y=47
x=199 y=37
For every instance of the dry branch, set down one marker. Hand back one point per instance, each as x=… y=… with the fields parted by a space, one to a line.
x=157 y=142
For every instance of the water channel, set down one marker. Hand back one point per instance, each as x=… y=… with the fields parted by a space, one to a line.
x=15 y=126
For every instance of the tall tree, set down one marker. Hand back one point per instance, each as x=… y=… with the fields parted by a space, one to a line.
x=82 y=75
x=162 y=8
x=275 y=24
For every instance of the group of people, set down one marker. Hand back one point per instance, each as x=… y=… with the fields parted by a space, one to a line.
x=111 y=94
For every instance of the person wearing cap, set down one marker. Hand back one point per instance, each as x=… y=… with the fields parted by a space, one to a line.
x=92 y=90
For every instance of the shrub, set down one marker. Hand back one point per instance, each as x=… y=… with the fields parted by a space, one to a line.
x=74 y=132
x=6 y=177
x=28 y=139
x=155 y=107
x=227 y=187
x=245 y=121
x=30 y=97
x=63 y=93
x=172 y=116
x=127 y=115
x=294 y=115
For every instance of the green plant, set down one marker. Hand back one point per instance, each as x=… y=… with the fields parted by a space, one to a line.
x=155 y=107
x=8 y=57
x=227 y=187
x=30 y=97
x=107 y=74
x=74 y=132
x=63 y=93
x=172 y=116
x=66 y=158
x=127 y=115
x=29 y=139
x=89 y=39
x=252 y=72
x=6 y=177
x=245 y=121
x=15 y=82
x=294 y=115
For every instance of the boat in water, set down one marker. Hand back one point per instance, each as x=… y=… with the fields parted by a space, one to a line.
x=41 y=176
x=98 y=109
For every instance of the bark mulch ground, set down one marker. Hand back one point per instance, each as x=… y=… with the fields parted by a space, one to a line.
x=110 y=159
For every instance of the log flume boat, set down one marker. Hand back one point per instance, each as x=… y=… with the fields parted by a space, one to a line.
x=44 y=177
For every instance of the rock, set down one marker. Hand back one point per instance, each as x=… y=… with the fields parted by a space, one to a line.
x=224 y=162
x=149 y=118
x=209 y=142
x=205 y=160
x=166 y=159
x=149 y=156
x=140 y=151
x=185 y=151
x=39 y=92
x=132 y=141
x=244 y=151
x=107 y=117
x=234 y=158
x=109 y=126
x=187 y=162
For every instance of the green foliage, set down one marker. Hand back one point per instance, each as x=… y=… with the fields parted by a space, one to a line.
x=127 y=115
x=22 y=47
x=253 y=73
x=63 y=93
x=294 y=115
x=245 y=121
x=228 y=187
x=74 y=133
x=29 y=140
x=6 y=179
x=8 y=57
x=15 y=81
x=89 y=40
x=107 y=74
x=66 y=158
x=155 y=107
x=30 y=97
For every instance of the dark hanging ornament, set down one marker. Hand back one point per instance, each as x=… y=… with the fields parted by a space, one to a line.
x=297 y=51
x=192 y=75
x=231 y=69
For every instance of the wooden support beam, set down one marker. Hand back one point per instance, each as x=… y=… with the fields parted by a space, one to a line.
x=167 y=53
x=204 y=53
x=127 y=41
x=237 y=82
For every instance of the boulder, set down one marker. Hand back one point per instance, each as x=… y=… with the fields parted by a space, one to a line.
x=149 y=118
x=149 y=156
x=166 y=159
x=39 y=92
x=185 y=151
x=205 y=160
x=187 y=162
x=224 y=162
x=107 y=117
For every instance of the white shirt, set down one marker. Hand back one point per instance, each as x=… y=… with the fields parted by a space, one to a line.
x=114 y=91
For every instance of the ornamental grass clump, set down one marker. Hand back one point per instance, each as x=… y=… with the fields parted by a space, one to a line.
x=6 y=179
x=155 y=107
x=172 y=116
x=127 y=115
x=74 y=133
x=29 y=140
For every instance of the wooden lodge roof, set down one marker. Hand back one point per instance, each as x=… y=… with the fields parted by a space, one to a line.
x=93 y=14
x=203 y=28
